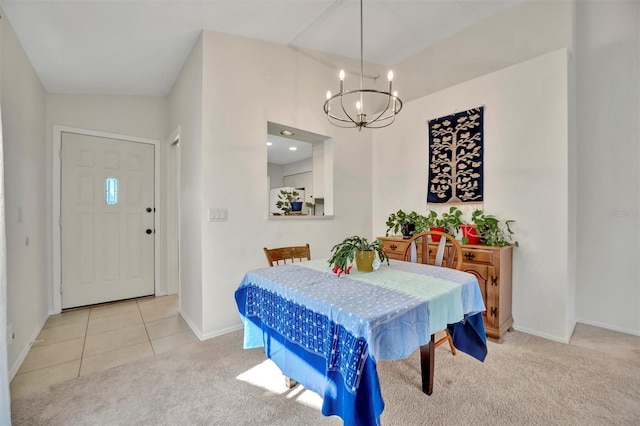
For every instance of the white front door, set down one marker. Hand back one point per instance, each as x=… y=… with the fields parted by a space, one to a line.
x=107 y=219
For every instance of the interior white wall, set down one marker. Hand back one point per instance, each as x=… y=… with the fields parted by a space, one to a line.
x=5 y=397
x=137 y=116
x=301 y=166
x=246 y=84
x=23 y=117
x=523 y=31
x=185 y=110
x=276 y=175
x=525 y=175
x=608 y=95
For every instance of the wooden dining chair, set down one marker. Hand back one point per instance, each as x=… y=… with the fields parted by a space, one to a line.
x=280 y=256
x=283 y=255
x=447 y=253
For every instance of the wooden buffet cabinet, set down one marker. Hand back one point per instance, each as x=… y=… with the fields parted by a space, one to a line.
x=492 y=266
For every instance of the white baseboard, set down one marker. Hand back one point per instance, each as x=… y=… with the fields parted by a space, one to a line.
x=25 y=351
x=204 y=336
x=191 y=325
x=221 y=332
x=543 y=335
x=609 y=327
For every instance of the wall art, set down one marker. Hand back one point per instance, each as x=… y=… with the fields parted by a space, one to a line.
x=456 y=158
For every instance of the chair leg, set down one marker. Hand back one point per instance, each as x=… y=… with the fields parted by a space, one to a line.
x=453 y=349
x=444 y=336
x=289 y=382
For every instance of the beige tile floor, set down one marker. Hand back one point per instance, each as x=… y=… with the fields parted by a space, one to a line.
x=83 y=341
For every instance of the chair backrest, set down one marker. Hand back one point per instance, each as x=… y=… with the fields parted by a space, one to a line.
x=447 y=253
x=281 y=255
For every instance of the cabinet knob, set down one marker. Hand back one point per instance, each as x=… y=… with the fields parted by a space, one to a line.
x=469 y=255
x=393 y=247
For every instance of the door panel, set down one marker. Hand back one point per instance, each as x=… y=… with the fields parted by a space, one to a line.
x=106 y=187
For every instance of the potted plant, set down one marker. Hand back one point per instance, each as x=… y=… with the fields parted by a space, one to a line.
x=358 y=249
x=452 y=220
x=289 y=201
x=407 y=223
x=491 y=231
x=435 y=223
x=469 y=233
x=310 y=207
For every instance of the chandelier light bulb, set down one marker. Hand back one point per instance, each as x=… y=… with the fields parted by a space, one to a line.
x=328 y=94
x=341 y=75
x=390 y=76
x=359 y=106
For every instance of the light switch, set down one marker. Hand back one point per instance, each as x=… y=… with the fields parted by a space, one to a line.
x=217 y=215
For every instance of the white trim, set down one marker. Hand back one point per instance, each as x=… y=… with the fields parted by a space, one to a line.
x=609 y=327
x=543 y=335
x=25 y=351
x=56 y=297
x=173 y=171
x=204 y=336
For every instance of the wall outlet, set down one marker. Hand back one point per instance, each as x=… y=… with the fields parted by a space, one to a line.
x=10 y=335
x=217 y=215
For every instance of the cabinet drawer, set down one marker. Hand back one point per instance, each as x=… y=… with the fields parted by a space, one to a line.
x=395 y=248
x=477 y=255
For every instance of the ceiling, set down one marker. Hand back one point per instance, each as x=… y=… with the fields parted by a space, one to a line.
x=281 y=138
x=138 y=47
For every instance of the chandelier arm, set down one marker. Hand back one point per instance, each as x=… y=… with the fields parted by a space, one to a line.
x=380 y=127
x=383 y=111
x=348 y=119
x=345 y=110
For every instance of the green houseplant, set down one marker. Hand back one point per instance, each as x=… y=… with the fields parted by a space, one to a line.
x=352 y=248
x=310 y=206
x=435 y=223
x=491 y=230
x=289 y=201
x=452 y=220
x=407 y=223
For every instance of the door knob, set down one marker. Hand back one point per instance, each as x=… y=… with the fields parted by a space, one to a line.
x=148 y=209
x=148 y=231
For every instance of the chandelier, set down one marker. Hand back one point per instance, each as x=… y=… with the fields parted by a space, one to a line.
x=347 y=108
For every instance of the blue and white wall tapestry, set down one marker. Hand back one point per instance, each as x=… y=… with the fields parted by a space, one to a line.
x=456 y=158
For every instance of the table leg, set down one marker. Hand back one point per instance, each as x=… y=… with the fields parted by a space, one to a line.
x=427 y=356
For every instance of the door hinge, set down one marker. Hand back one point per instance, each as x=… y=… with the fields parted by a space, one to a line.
x=494 y=312
x=494 y=280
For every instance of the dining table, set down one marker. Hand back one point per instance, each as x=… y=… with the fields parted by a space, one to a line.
x=327 y=331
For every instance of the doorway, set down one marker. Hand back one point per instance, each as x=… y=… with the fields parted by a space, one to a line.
x=105 y=218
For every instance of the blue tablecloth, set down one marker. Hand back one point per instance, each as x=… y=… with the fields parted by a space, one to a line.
x=327 y=332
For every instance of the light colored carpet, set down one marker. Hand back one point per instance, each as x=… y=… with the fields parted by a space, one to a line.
x=525 y=380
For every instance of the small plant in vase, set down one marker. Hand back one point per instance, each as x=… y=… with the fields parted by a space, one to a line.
x=289 y=201
x=435 y=223
x=309 y=207
x=358 y=249
x=452 y=220
x=407 y=223
x=491 y=231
